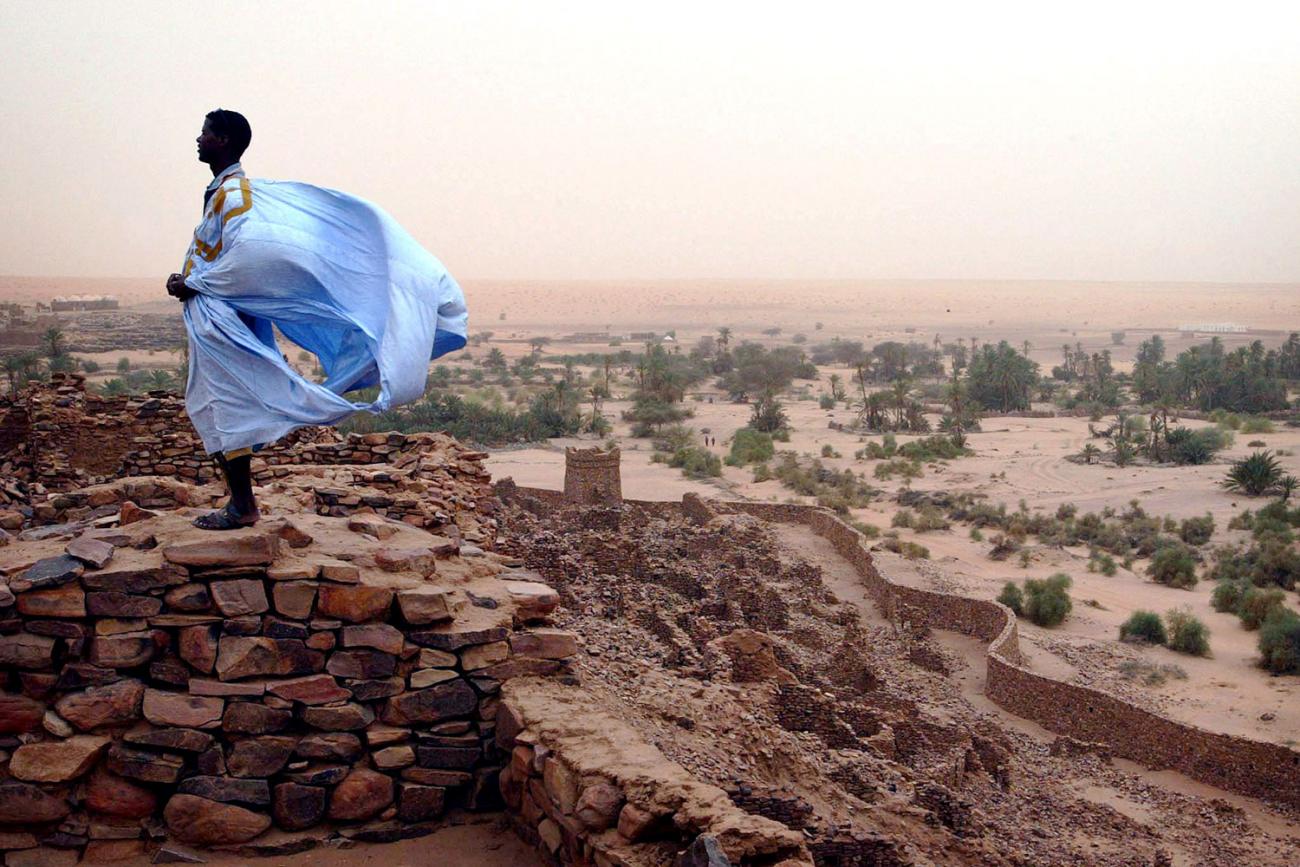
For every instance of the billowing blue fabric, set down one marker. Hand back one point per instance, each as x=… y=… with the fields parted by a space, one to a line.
x=337 y=276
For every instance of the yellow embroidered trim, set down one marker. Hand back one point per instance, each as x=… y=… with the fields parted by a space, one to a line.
x=210 y=253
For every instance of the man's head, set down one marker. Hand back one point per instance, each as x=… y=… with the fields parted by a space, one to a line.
x=224 y=138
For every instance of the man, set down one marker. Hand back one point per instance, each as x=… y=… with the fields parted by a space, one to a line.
x=334 y=274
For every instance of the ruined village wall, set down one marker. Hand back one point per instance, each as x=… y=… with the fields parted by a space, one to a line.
x=208 y=690
x=1249 y=767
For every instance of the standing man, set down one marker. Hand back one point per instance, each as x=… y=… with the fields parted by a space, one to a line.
x=335 y=274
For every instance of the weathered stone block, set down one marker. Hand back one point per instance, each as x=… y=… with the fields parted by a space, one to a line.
x=294 y=598
x=379 y=636
x=142 y=765
x=240 y=657
x=251 y=793
x=482 y=655
x=427 y=605
x=315 y=689
x=111 y=795
x=295 y=806
x=237 y=598
x=260 y=757
x=418 y=803
x=361 y=664
x=354 y=603
x=544 y=643
x=19 y=714
x=28 y=651
x=56 y=761
x=444 y=701
x=338 y=718
x=67 y=601
x=254 y=718
x=102 y=705
x=203 y=822
x=95 y=553
x=109 y=603
x=183 y=710
x=362 y=795
x=239 y=548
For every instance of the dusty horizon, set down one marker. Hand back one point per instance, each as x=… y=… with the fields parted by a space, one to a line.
x=590 y=143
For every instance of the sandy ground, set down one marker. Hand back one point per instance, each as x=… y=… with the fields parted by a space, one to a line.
x=485 y=843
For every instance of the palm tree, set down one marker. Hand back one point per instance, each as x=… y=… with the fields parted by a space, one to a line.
x=1255 y=475
x=899 y=391
x=724 y=337
x=1286 y=486
x=54 y=342
x=1089 y=453
x=13 y=368
x=837 y=387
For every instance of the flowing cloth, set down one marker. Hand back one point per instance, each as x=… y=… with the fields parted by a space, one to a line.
x=337 y=276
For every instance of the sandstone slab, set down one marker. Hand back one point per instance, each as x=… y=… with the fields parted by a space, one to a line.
x=19 y=714
x=182 y=710
x=237 y=598
x=355 y=603
x=239 y=548
x=311 y=690
x=425 y=605
x=110 y=795
x=110 y=603
x=23 y=803
x=261 y=756
x=295 y=806
x=67 y=601
x=95 y=553
x=444 y=701
x=240 y=657
x=112 y=704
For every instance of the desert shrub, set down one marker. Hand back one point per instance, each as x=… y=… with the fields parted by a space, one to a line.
x=1173 y=566
x=1186 y=634
x=1004 y=545
x=1279 y=642
x=897 y=467
x=871 y=531
x=1012 y=597
x=976 y=535
x=902 y=518
x=696 y=462
x=929 y=518
x=1143 y=626
x=933 y=448
x=1274 y=560
x=1187 y=446
x=1256 y=425
x=828 y=451
x=90 y=366
x=1256 y=444
x=1047 y=602
x=674 y=438
x=762 y=472
x=909 y=550
x=1255 y=475
x=1226 y=597
x=1105 y=564
x=826 y=402
x=1256 y=604
x=1066 y=511
x=1196 y=531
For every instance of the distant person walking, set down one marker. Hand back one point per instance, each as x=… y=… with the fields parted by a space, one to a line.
x=335 y=274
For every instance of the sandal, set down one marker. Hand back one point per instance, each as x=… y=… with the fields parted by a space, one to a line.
x=225 y=518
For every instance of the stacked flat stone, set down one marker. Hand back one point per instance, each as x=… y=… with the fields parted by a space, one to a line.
x=206 y=690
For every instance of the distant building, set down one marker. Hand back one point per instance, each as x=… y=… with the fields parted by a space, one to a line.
x=644 y=336
x=73 y=303
x=1215 y=328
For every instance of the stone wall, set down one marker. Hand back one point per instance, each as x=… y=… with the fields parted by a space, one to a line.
x=164 y=687
x=1249 y=767
x=586 y=789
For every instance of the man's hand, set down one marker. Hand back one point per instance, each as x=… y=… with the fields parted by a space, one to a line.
x=177 y=289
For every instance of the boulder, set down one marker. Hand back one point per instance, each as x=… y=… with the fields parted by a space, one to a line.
x=598 y=806
x=204 y=822
x=426 y=605
x=261 y=756
x=544 y=644
x=197 y=645
x=418 y=803
x=28 y=651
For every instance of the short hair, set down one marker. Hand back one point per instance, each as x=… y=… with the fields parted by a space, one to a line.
x=232 y=126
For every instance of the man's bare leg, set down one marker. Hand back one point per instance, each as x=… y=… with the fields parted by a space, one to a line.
x=241 y=510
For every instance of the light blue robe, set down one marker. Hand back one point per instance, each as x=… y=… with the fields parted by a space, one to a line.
x=337 y=276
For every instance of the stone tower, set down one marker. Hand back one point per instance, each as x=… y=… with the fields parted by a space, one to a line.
x=591 y=477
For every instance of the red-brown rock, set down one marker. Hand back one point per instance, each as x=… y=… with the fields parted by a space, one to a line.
x=315 y=689
x=19 y=714
x=23 y=804
x=240 y=657
x=240 y=597
x=355 y=603
x=68 y=601
x=102 y=705
x=202 y=822
x=363 y=794
x=183 y=710
x=111 y=795
x=446 y=700
x=197 y=645
x=296 y=807
x=260 y=757
x=95 y=553
x=56 y=761
x=240 y=548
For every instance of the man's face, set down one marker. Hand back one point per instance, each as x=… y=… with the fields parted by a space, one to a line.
x=210 y=144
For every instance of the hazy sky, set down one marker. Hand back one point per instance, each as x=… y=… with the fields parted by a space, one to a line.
x=1097 y=141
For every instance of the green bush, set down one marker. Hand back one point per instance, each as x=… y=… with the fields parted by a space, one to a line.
x=1173 y=566
x=1279 y=642
x=1256 y=425
x=1196 y=531
x=826 y=402
x=696 y=462
x=1187 y=446
x=1226 y=597
x=1012 y=597
x=750 y=446
x=1143 y=626
x=1257 y=603
x=1186 y=633
x=902 y=518
x=1047 y=602
x=762 y=472
x=828 y=451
